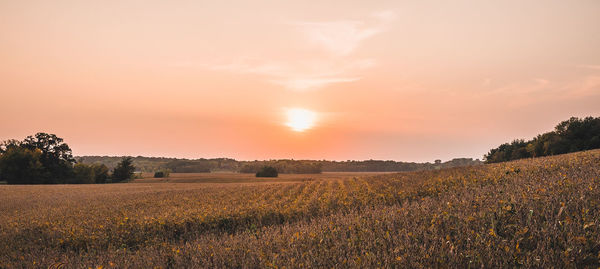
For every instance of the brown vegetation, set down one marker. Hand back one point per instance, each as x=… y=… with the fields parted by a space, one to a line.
x=537 y=213
x=228 y=177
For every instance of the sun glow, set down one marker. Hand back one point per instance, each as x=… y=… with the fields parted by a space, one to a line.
x=300 y=120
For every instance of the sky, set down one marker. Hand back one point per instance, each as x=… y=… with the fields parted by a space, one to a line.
x=341 y=80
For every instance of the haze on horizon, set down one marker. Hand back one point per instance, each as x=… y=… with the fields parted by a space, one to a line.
x=400 y=80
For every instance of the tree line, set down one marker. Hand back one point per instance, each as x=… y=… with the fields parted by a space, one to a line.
x=46 y=159
x=572 y=135
x=284 y=166
x=153 y=164
x=394 y=166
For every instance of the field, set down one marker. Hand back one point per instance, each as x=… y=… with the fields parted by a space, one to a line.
x=249 y=178
x=540 y=212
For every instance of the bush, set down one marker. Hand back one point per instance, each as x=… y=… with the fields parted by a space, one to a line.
x=267 y=171
x=161 y=174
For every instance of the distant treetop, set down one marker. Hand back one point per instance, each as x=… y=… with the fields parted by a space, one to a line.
x=571 y=135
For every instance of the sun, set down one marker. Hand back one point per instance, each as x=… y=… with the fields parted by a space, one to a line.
x=299 y=119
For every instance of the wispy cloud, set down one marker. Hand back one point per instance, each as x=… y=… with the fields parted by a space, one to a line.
x=338 y=38
x=539 y=90
x=299 y=76
x=589 y=66
x=486 y=82
x=385 y=16
x=343 y=37
x=252 y=66
x=302 y=84
x=530 y=86
x=541 y=82
x=585 y=87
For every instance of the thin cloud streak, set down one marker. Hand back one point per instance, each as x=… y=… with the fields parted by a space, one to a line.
x=539 y=90
x=300 y=76
x=303 y=84
x=343 y=37
x=340 y=37
x=589 y=66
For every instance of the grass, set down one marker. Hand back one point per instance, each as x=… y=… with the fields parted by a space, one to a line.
x=535 y=213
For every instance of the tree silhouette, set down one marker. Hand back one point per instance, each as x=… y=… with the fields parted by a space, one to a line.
x=44 y=155
x=124 y=170
x=22 y=166
x=571 y=135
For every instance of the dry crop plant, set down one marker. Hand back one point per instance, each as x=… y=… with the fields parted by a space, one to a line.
x=536 y=213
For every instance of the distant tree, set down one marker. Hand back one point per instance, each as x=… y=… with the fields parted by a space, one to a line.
x=54 y=157
x=82 y=174
x=124 y=170
x=284 y=166
x=22 y=166
x=571 y=135
x=267 y=171
x=11 y=143
x=100 y=173
x=249 y=168
x=191 y=166
x=89 y=174
x=4 y=146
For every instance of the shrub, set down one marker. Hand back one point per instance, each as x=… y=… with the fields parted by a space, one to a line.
x=161 y=173
x=267 y=171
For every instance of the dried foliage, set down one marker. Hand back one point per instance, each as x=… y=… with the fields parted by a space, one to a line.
x=535 y=213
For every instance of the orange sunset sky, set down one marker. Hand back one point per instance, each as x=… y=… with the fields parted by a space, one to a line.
x=400 y=80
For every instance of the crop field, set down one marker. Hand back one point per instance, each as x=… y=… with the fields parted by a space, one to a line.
x=249 y=178
x=542 y=212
